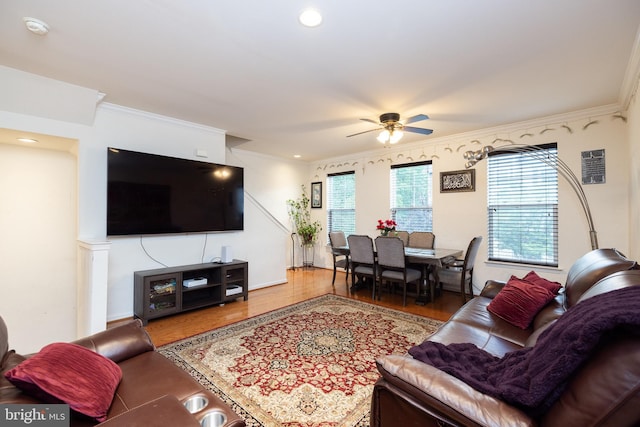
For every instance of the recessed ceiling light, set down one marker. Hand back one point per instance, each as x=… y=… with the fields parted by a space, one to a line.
x=297 y=156
x=310 y=18
x=28 y=140
x=36 y=26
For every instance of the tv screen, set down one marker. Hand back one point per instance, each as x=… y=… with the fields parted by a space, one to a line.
x=152 y=194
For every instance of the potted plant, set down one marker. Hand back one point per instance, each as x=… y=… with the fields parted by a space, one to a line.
x=307 y=230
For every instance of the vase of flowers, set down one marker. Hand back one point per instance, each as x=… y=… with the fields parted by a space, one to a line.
x=307 y=230
x=386 y=226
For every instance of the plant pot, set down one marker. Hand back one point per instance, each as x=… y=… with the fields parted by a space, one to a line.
x=308 y=252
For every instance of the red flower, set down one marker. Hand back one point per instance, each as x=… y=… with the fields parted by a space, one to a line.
x=386 y=225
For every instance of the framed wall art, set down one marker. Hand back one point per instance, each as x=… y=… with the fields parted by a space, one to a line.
x=316 y=195
x=456 y=181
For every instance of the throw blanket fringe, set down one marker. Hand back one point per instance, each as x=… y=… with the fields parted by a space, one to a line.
x=533 y=378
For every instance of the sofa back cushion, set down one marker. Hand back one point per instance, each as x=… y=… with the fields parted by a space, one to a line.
x=592 y=267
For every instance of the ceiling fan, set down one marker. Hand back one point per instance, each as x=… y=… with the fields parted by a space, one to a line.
x=391 y=128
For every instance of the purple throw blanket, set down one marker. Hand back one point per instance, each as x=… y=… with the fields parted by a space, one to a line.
x=533 y=378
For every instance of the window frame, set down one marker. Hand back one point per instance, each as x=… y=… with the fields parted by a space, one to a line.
x=331 y=210
x=522 y=206
x=396 y=211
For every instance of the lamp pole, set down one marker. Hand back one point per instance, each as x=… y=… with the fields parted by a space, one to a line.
x=556 y=163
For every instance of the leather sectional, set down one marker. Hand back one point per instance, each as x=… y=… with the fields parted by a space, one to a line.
x=152 y=389
x=604 y=391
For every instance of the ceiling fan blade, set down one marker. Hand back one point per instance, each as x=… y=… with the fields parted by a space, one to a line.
x=418 y=130
x=416 y=118
x=360 y=133
x=371 y=121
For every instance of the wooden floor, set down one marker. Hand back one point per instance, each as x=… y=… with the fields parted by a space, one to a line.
x=302 y=284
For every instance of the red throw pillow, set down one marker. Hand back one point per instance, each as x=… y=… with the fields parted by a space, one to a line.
x=519 y=302
x=537 y=280
x=71 y=374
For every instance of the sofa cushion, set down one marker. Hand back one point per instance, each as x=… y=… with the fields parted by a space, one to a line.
x=70 y=374
x=592 y=267
x=519 y=302
x=533 y=277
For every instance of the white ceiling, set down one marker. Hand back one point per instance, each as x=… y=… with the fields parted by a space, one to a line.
x=250 y=68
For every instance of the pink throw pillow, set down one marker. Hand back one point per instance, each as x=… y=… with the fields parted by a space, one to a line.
x=533 y=277
x=519 y=302
x=71 y=374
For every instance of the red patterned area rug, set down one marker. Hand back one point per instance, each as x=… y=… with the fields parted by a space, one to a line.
x=311 y=364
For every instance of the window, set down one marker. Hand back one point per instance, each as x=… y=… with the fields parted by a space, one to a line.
x=523 y=206
x=341 y=202
x=411 y=205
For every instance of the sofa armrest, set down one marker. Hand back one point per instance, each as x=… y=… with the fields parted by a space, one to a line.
x=448 y=395
x=491 y=288
x=121 y=342
x=164 y=411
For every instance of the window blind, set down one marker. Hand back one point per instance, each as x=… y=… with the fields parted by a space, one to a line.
x=411 y=202
x=341 y=202
x=523 y=207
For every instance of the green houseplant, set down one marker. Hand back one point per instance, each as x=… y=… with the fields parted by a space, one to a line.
x=308 y=230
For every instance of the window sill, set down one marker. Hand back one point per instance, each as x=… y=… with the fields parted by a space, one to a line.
x=523 y=266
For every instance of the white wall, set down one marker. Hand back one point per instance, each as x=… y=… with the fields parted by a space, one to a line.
x=634 y=178
x=458 y=217
x=38 y=249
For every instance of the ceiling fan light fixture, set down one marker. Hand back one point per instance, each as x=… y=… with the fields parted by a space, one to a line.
x=310 y=18
x=395 y=136
x=384 y=136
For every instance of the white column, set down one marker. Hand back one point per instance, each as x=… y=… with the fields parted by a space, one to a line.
x=93 y=262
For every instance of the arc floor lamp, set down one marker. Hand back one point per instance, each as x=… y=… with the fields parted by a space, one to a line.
x=555 y=162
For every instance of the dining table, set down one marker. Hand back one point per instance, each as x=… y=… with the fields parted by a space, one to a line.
x=431 y=260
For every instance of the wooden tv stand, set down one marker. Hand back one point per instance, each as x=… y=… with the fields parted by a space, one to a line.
x=166 y=291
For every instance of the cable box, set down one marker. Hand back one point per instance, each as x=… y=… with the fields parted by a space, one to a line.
x=196 y=281
x=233 y=290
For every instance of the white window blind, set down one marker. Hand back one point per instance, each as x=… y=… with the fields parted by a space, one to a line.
x=341 y=202
x=523 y=207
x=411 y=202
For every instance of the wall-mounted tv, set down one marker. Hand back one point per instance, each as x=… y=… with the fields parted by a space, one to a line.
x=152 y=194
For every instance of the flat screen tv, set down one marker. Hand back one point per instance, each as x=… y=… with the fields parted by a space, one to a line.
x=152 y=194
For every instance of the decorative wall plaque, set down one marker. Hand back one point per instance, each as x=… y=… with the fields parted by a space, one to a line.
x=454 y=181
x=593 y=167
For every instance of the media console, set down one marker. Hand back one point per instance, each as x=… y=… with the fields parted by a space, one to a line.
x=166 y=291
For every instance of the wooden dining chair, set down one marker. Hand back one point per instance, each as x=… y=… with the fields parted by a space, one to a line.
x=404 y=236
x=422 y=239
x=460 y=271
x=363 y=260
x=392 y=265
x=340 y=258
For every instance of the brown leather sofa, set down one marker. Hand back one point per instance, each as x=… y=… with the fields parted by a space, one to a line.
x=152 y=391
x=605 y=391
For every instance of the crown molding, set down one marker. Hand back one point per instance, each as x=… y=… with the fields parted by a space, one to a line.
x=629 y=85
x=159 y=117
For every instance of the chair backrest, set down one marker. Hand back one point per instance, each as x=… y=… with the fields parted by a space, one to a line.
x=361 y=249
x=422 y=239
x=390 y=252
x=337 y=239
x=472 y=251
x=404 y=236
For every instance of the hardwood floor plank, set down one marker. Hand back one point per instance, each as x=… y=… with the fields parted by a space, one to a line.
x=301 y=285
